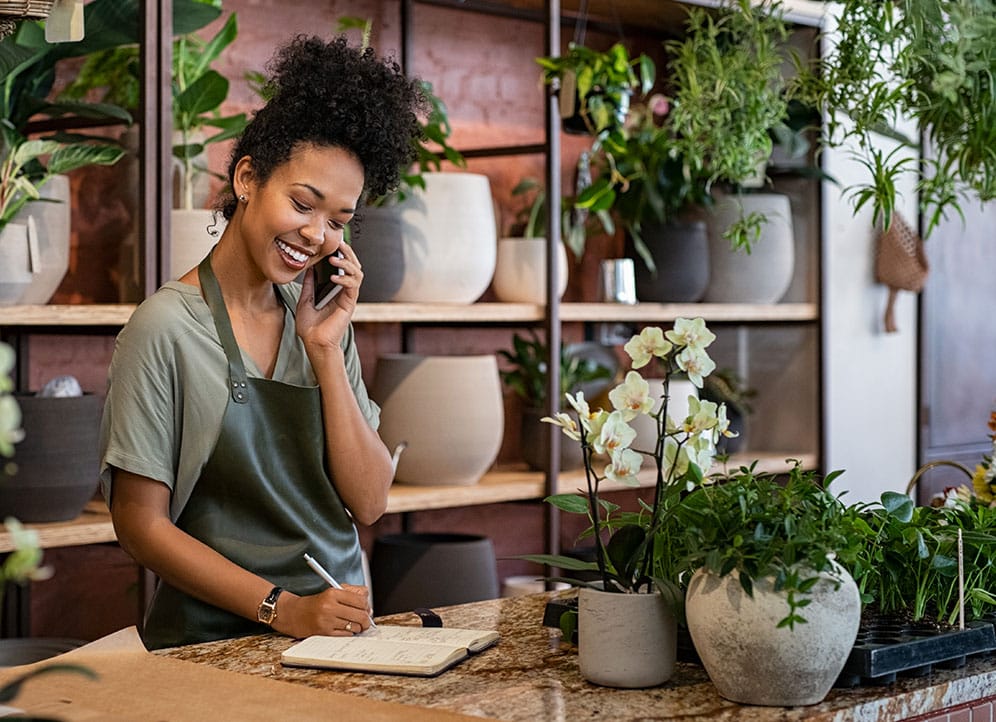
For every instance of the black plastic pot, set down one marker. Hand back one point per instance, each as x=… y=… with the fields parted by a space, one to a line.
x=57 y=461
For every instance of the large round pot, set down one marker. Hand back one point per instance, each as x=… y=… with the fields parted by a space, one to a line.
x=763 y=275
x=436 y=246
x=680 y=251
x=57 y=461
x=625 y=640
x=753 y=661
x=520 y=270
x=52 y=221
x=677 y=409
x=409 y=571
x=449 y=410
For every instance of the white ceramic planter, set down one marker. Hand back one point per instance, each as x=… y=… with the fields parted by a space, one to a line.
x=765 y=274
x=15 y=264
x=192 y=236
x=751 y=660
x=625 y=640
x=52 y=221
x=437 y=246
x=520 y=270
x=448 y=409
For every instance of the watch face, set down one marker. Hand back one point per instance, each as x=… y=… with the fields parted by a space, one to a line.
x=267 y=612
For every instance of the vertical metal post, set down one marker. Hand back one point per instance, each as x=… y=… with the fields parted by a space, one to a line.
x=156 y=186
x=552 y=319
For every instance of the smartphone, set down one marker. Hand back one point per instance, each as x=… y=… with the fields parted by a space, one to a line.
x=325 y=288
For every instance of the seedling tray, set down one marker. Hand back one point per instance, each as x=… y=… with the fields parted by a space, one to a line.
x=886 y=648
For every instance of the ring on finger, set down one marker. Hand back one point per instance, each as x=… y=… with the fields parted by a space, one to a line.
x=349 y=627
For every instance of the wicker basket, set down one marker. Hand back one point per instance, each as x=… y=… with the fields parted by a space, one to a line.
x=26 y=8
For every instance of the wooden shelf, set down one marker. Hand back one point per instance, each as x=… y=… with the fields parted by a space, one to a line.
x=110 y=314
x=94 y=525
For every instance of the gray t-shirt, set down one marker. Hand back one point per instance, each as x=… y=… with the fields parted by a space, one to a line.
x=168 y=389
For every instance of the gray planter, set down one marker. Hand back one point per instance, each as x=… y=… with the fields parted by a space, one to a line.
x=681 y=254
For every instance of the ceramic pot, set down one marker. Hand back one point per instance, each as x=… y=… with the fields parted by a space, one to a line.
x=57 y=461
x=625 y=640
x=681 y=255
x=450 y=411
x=750 y=659
x=52 y=222
x=520 y=270
x=193 y=234
x=409 y=571
x=15 y=263
x=763 y=275
x=677 y=409
x=436 y=246
x=534 y=443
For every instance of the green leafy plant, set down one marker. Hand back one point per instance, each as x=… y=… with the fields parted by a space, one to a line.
x=751 y=524
x=602 y=83
x=575 y=224
x=928 y=62
x=527 y=368
x=627 y=558
x=711 y=126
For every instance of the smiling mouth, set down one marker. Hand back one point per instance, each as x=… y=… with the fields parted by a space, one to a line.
x=298 y=257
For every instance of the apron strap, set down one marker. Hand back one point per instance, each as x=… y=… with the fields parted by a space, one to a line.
x=223 y=324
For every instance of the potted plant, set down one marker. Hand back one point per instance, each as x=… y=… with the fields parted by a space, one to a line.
x=710 y=128
x=890 y=66
x=628 y=612
x=596 y=87
x=583 y=367
x=35 y=169
x=772 y=614
x=520 y=268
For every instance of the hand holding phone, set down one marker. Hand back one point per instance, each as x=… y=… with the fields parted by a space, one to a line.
x=325 y=288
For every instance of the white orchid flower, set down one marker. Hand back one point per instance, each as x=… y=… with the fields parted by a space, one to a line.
x=10 y=425
x=632 y=397
x=615 y=434
x=624 y=466
x=691 y=333
x=723 y=425
x=566 y=423
x=696 y=363
x=648 y=343
x=701 y=416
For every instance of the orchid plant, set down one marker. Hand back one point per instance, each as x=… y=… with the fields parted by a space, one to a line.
x=682 y=455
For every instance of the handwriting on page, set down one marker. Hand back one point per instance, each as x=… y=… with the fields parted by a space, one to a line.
x=451 y=637
x=380 y=652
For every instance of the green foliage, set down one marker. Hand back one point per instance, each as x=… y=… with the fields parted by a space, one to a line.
x=713 y=125
x=527 y=371
x=603 y=82
x=751 y=524
x=931 y=62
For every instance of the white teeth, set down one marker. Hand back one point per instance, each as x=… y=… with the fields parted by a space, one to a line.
x=296 y=255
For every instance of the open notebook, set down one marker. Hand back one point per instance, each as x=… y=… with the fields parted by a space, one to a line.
x=419 y=651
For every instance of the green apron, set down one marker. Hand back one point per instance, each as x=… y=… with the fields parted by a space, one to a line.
x=263 y=499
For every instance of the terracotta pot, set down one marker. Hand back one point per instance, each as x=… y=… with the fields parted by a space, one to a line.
x=625 y=640
x=57 y=461
x=750 y=659
x=449 y=409
x=520 y=270
x=436 y=246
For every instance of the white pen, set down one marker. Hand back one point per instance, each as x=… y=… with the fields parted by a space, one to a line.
x=329 y=579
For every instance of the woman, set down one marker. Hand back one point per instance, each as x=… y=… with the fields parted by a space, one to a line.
x=237 y=433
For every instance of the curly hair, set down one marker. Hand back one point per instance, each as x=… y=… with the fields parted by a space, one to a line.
x=332 y=94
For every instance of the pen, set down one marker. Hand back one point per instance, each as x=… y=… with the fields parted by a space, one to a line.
x=328 y=578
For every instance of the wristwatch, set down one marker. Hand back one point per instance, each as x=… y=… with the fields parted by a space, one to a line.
x=267 y=612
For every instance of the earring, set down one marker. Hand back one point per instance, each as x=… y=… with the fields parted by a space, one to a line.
x=242 y=197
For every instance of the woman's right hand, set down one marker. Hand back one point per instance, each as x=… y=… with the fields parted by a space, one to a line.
x=332 y=612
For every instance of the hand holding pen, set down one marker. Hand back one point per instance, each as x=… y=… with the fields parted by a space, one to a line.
x=330 y=580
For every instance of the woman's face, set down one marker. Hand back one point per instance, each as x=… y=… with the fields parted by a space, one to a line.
x=298 y=215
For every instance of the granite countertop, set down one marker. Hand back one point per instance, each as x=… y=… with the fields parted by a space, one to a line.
x=531 y=675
